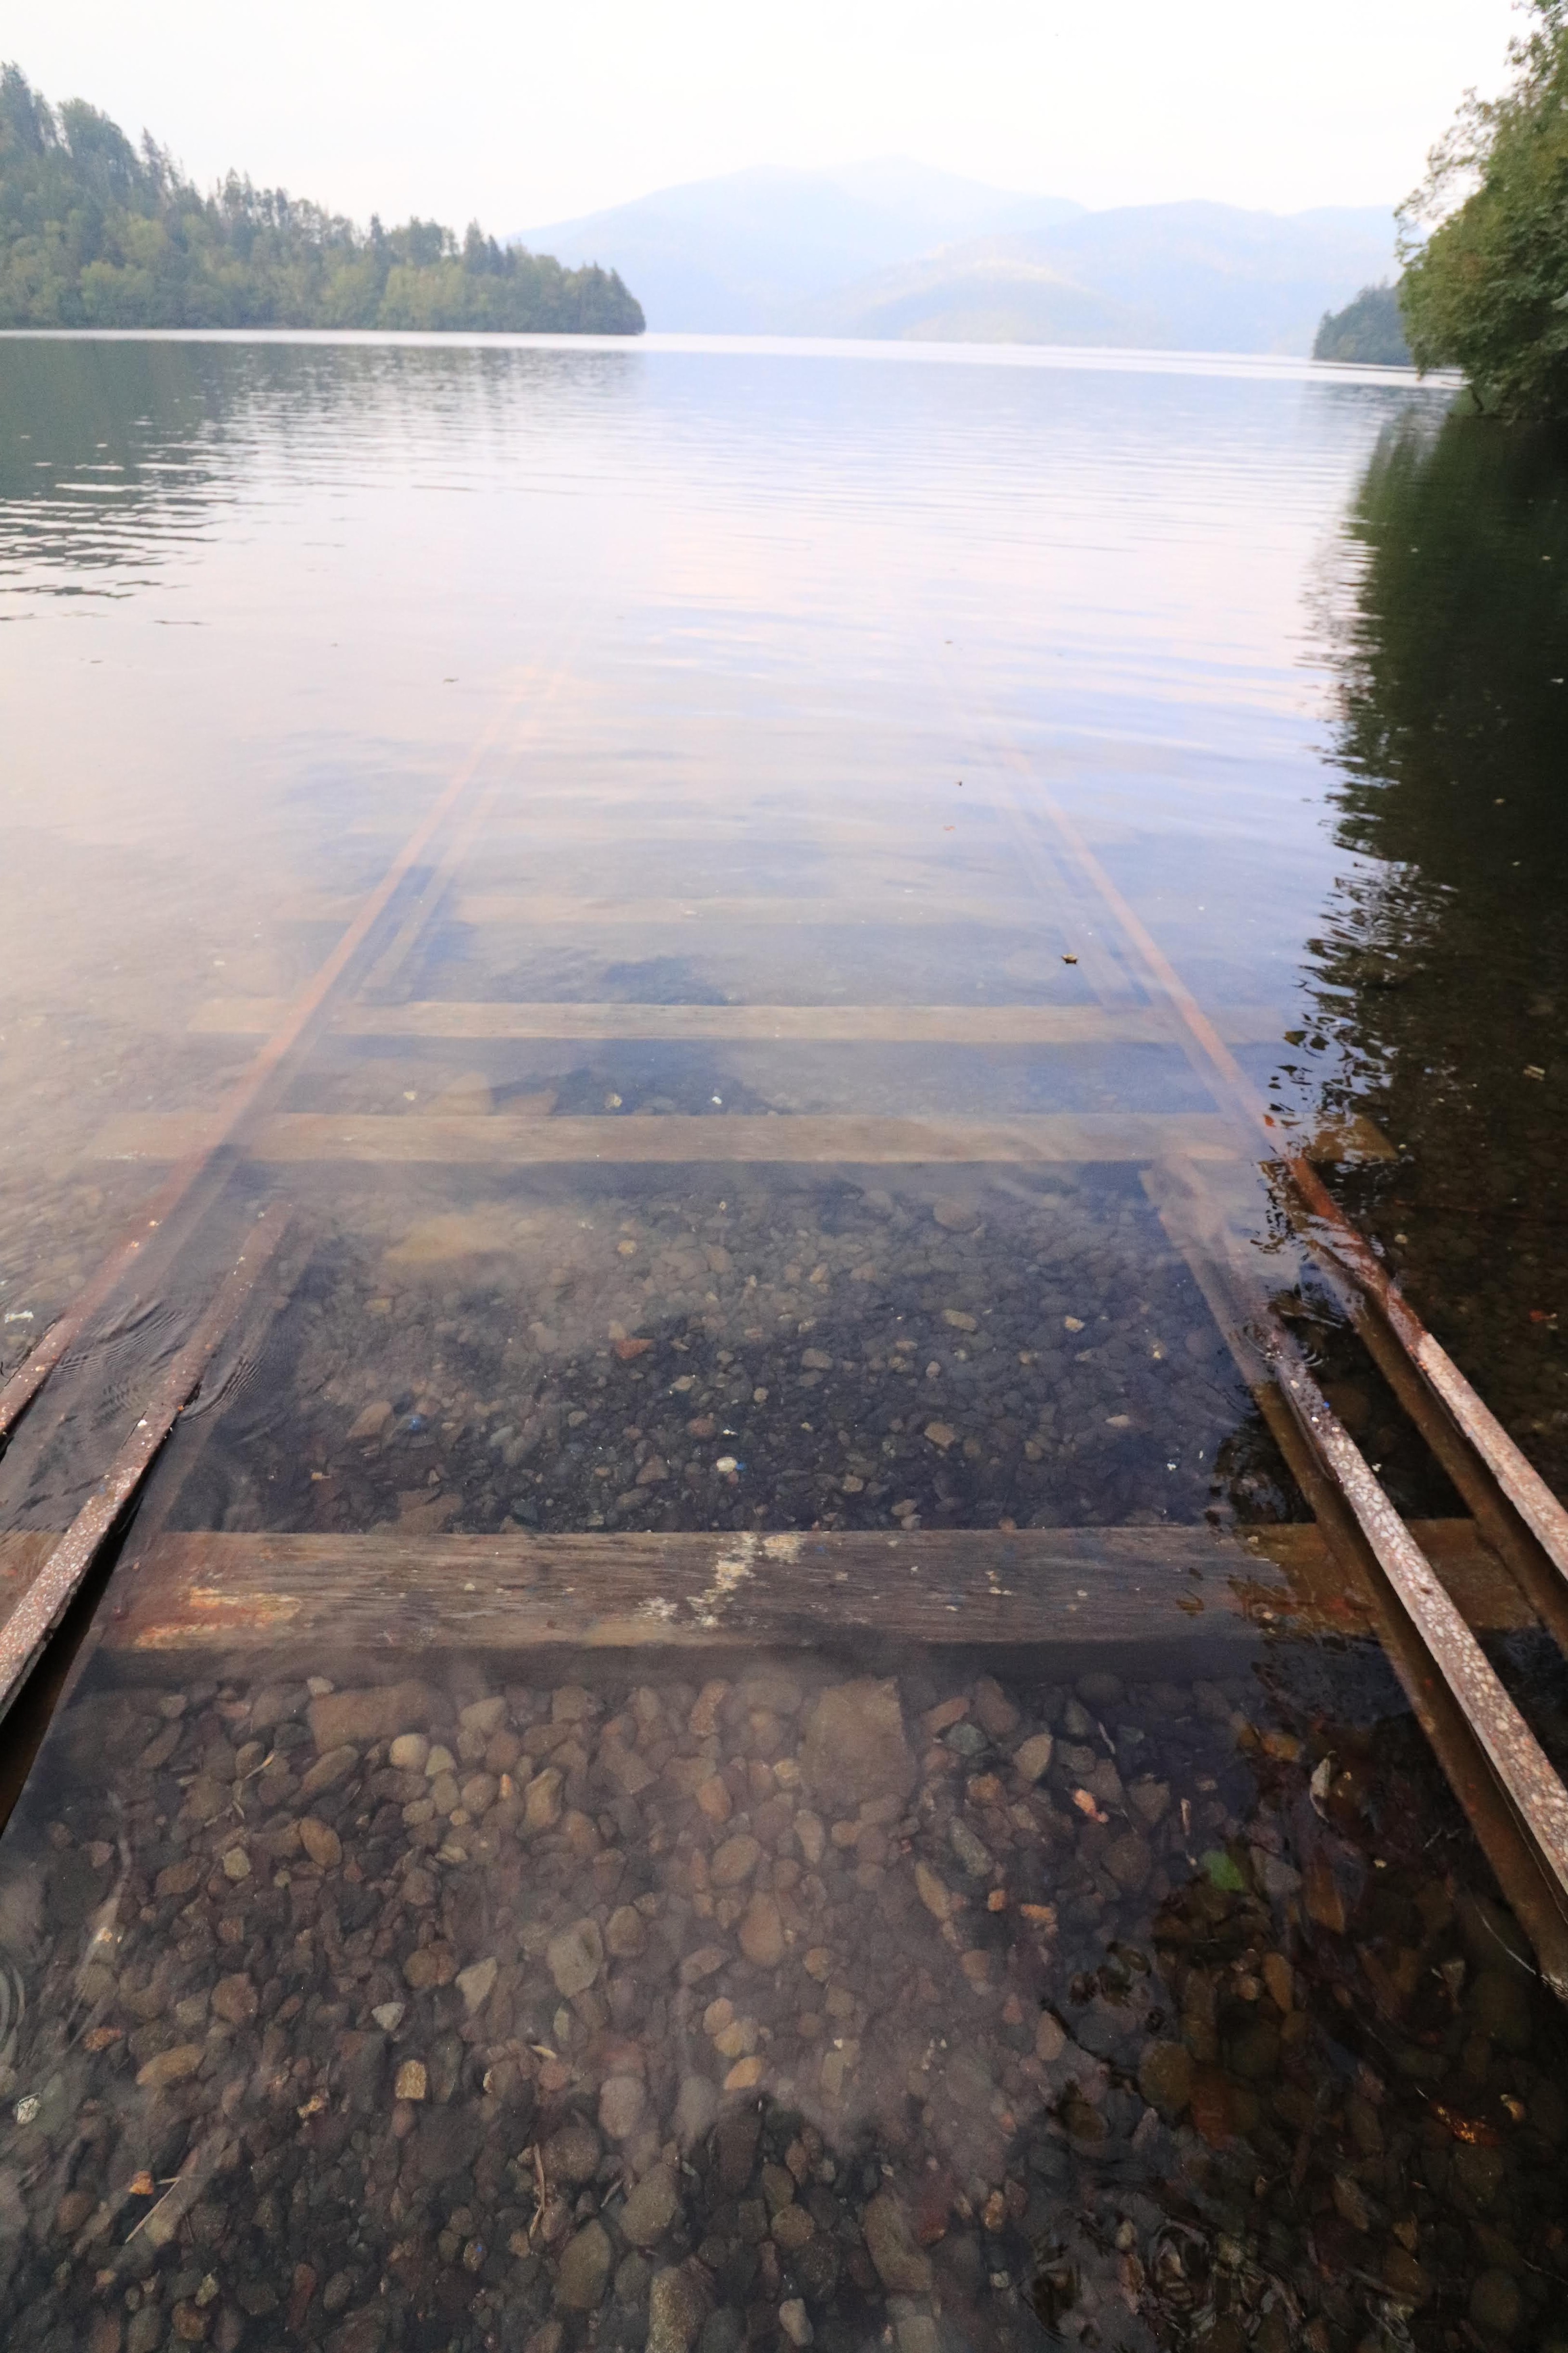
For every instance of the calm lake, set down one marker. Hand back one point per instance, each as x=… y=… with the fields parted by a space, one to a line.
x=697 y=1739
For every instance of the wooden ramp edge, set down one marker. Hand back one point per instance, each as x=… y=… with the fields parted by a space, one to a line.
x=1155 y=1597
x=675 y=1138
x=935 y=1025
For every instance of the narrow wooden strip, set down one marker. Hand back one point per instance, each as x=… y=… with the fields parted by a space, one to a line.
x=867 y=910
x=49 y=1591
x=959 y=1025
x=676 y=1138
x=1100 y=1587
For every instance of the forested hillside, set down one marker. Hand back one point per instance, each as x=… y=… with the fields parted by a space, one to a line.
x=95 y=232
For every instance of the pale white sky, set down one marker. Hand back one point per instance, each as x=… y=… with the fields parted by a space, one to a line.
x=520 y=112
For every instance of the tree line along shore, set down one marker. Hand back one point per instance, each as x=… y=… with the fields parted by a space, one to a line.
x=96 y=232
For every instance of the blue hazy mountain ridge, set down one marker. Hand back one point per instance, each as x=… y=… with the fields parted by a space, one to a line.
x=740 y=255
x=894 y=249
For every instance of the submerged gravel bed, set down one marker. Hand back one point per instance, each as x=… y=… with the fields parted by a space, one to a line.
x=778 y=2010
x=731 y=1353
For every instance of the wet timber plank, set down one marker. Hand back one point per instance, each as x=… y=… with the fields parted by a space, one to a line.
x=867 y=910
x=512 y=907
x=963 y=1025
x=676 y=1138
x=1132 y=1590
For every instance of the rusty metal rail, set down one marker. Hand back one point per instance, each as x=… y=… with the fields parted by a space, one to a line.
x=1515 y=1800
x=39 y=1612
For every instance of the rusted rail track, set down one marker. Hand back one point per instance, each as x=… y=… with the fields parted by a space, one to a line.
x=1514 y=1798
x=1426 y=1593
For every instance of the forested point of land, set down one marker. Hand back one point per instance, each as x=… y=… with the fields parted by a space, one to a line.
x=95 y=232
x=1368 y=331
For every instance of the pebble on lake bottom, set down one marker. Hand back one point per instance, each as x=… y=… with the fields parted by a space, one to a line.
x=902 y=2038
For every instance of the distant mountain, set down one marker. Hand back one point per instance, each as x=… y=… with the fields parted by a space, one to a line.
x=740 y=255
x=1192 y=277
x=893 y=249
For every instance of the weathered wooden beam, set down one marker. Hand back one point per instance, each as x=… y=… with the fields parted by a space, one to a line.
x=958 y=1024
x=1149 y=1595
x=678 y=1138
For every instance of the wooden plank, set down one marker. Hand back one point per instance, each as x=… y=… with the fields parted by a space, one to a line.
x=867 y=910
x=676 y=1138
x=1130 y=1590
x=962 y=1025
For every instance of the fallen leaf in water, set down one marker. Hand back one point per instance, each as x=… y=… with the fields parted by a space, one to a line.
x=1473 y=2129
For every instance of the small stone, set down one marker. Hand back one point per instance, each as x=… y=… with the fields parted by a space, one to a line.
x=713 y=1798
x=696 y=2105
x=702 y=1963
x=745 y=2074
x=735 y=1861
x=575 y=1957
x=621 y=2105
x=541 y=1800
x=1130 y=1860
x=762 y=1933
x=626 y=1932
x=320 y=1843
x=482 y=1715
x=811 y=1837
x=178 y=1879
x=573 y=2154
x=413 y=2083
x=370 y=1422
x=1149 y=1801
x=795 y=2322
x=792 y=2226
x=1032 y=1756
x=942 y=1434
x=1050 y=2038
x=900 y=2266
x=993 y=1709
x=959 y=1322
x=854 y=1749
x=651 y=2207
x=389 y=2015
x=1497 y=2306
x=236 y=2000
x=171 y=2066
x=235 y=1864
x=355 y=1718
x=408 y=1752
x=973 y=1853
x=584 y=2270
x=676 y=2309
x=329 y=1770
x=475 y=1984
x=937 y=1899
x=1165 y=2076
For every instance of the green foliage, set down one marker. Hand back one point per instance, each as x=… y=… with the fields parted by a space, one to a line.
x=1367 y=330
x=97 y=233
x=1487 y=288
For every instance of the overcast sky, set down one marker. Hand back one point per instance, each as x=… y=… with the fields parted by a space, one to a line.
x=520 y=113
